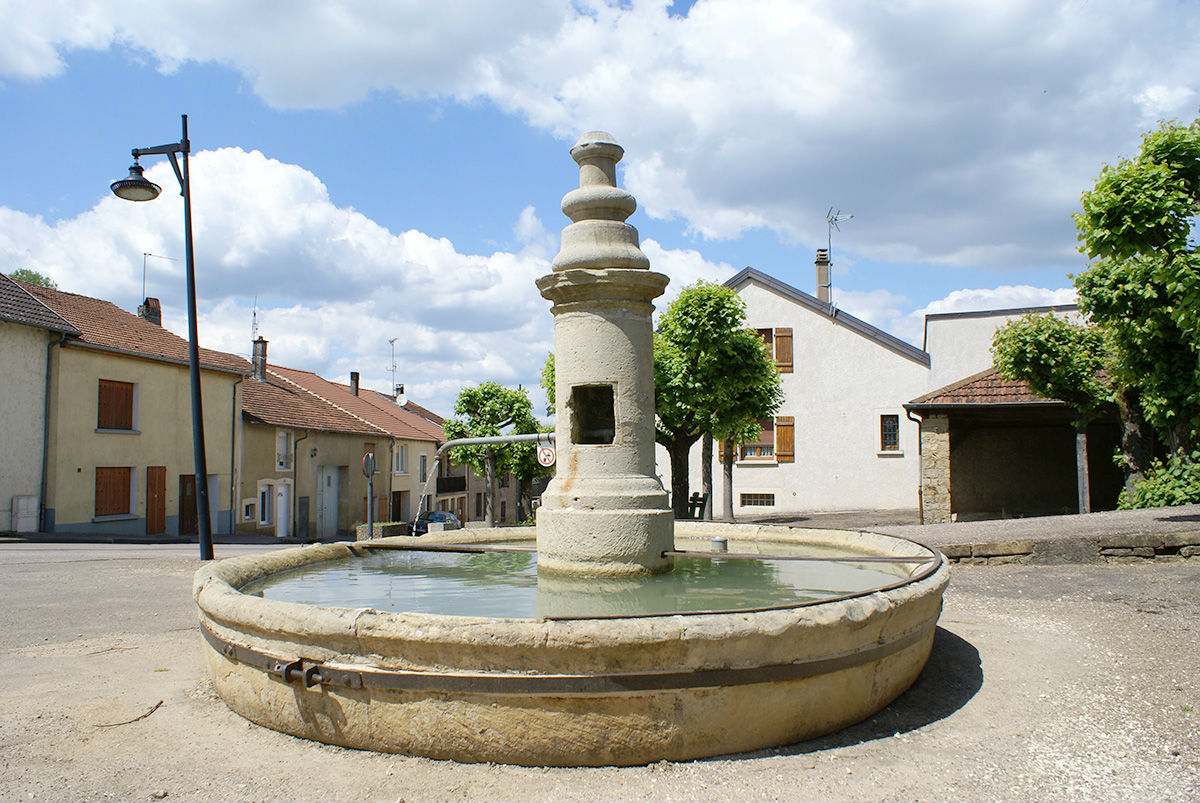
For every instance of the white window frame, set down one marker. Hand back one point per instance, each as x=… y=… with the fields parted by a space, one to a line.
x=249 y=509
x=423 y=474
x=266 y=503
x=881 y=451
x=400 y=459
x=284 y=443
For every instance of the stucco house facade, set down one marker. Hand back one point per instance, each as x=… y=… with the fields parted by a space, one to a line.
x=29 y=331
x=303 y=444
x=118 y=451
x=859 y=427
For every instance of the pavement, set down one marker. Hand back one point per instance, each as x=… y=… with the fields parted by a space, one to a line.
x=1046 y=682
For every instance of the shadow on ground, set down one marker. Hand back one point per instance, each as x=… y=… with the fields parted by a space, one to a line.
x=950 y=679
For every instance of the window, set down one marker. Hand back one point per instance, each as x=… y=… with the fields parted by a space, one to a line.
x=283 y=450
x=776 y=440
x=116 y=405
x=114 y=490
x=423 y=473
x=889 y=433
x=779 y=345
x=503 y=511
x=478 y=506
x=265 y=493
x=247 y=510
x=504 y=480
x=400 y=459
x=758 y=500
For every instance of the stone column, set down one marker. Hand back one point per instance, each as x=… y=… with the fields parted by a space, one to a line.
x=935 y=469
x=605 y=512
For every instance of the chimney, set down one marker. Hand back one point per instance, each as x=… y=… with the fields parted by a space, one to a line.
x=259 y=360
x=823 y=283
x=151 y=310
x=354 y=382
x=401 y=399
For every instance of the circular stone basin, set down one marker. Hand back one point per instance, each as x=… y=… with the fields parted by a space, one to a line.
x=617 y=689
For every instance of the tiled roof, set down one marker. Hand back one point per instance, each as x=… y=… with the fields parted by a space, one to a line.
x=104 y=325
x=281 y=403
x=376 y=408
x=985 y=387
x=18 y=305
x=428 y=415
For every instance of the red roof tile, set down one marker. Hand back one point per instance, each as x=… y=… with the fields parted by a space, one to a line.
x=281 y=403
x=985 y=387
x=18 y=305
x=104 y=325
x=380 y=410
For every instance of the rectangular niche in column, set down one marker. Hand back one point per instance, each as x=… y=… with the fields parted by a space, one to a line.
x=593 y=415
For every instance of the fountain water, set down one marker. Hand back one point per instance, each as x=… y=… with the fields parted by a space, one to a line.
x=622 y=685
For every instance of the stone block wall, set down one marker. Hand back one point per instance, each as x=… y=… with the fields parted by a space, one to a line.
x=935 y=469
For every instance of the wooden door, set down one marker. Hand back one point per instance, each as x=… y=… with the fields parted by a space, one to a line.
x=156 y=500
x=189 y=522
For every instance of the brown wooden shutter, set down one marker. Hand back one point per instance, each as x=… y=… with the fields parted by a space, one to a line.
x=783 y=350
x=785 y=439
x=112 y=490
x=156 y=500
x=114 y=405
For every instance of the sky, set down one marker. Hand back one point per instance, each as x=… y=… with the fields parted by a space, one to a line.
x=392 y=169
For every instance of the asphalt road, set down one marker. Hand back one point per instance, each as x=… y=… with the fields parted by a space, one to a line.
x=1045 y=683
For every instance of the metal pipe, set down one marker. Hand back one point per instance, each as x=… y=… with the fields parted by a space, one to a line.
x=539 y=437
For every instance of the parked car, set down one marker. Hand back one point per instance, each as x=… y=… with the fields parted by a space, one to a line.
x=444 y=517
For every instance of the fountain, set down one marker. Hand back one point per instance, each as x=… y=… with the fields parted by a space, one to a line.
x=592 y=674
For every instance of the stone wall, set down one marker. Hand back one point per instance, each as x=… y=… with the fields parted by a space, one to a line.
x=935 y=469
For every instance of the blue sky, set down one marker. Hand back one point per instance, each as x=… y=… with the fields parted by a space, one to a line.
x=372 y=170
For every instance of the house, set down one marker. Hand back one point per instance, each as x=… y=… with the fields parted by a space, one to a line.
x=841 y=440
x=303 y=448
x=29 y=331
x=861 y=414
x=118 y=451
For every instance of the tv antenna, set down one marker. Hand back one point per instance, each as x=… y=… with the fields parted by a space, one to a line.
x=832 y=218
x=392 y=343
x=254 y=321
x=146 y=255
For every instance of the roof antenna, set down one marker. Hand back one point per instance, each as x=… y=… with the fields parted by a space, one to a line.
x=392 y=343
x=254 y=321
x=146 y=255
x=832 y=218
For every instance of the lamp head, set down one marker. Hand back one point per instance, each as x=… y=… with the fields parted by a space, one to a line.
x=136 y=187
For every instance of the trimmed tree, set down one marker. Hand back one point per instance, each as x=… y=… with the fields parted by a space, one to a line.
x=33 y=277
x=1058 y=360
x=482 y=412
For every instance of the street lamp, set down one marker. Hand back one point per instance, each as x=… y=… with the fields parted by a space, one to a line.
x=138 y=188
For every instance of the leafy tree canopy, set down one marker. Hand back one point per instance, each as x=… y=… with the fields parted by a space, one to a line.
x=484 y=411
x=33 y=277
x=1056 y=358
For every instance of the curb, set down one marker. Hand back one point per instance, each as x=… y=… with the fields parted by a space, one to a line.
x=1124 y=549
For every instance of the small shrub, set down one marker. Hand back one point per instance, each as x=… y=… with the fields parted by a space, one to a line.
x=1175 y=482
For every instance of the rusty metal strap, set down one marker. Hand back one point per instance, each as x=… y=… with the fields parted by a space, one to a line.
x=312 y=673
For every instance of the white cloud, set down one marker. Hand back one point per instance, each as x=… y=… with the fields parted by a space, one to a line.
x=956 y=133
x=911 y=326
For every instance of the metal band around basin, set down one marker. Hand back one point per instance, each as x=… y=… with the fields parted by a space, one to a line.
x=313 y=673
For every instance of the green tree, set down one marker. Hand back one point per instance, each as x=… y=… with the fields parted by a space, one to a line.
x=711 y=375
x=1142 y=288
x=482 y=412
x=33 y=277
x=1058 y=360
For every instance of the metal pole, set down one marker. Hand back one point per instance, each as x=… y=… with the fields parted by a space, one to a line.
x=204 y=523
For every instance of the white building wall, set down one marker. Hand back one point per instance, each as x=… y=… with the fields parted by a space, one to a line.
x=22 y=404
x=842 y=381
x=960 y=343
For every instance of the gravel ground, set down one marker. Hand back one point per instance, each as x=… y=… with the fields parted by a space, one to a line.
x=1045 y=683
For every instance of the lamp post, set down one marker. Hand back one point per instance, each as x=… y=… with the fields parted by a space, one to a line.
x=137 y=188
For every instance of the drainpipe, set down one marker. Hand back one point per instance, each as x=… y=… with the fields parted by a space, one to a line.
x=46 y=435
x=920 y=469
x=234 y=498
x=296 y=481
